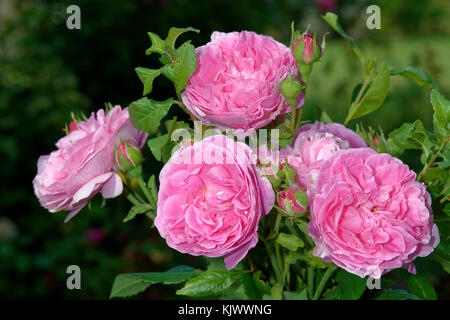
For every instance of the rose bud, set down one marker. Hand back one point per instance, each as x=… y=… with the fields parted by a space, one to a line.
x=307 y=50
x=288 y=202
x=291 y=90
x=127 y=156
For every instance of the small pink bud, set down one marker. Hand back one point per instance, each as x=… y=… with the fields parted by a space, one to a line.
x=72 y=126
x=307 y=50
x=127 y=156
x=287 y=200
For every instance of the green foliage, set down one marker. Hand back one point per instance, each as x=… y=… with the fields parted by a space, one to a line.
x=289 y=241
x=209 y=283
x=373 y=98
x=332 y=20
x=146 y=114
x=351 y=286
x=147 y=76
x=129 y=284
x=396 y=294
x=420 y=286
x=415 y=74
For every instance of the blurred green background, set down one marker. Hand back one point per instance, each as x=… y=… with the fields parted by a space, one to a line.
x=48 y=71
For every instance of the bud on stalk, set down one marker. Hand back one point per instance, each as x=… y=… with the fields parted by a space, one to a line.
x=127 y=156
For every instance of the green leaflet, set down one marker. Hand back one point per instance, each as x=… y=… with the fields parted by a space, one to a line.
x=415 y=74
x=129 y=284
x=146 y=114
x=373 y=98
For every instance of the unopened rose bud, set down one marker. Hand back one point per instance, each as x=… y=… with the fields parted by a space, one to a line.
x=73 y=126
x=288 y=202
x=307 y=50
x=127 y=156
x=291 y=88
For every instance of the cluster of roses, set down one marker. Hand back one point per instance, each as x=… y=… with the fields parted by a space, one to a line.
x=368 y=215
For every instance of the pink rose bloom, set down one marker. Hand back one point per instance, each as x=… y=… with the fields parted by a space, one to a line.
x=84 y=162
x=237 y=81
x=212 y=206
x=337 y=129
x=287 y=198
x=369 y=215
x=315 y=143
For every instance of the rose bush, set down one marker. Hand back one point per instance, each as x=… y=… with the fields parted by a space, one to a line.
x=309 y=199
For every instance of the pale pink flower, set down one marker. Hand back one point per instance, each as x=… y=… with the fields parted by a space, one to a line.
x=83 y=164
x=315 y=143
x=369 y=215
x=237 y=81
x=212 y=208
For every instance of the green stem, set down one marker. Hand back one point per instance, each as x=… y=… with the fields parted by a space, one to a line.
x=324 y=281
x=273 y=261
x=133 y=199
x=366 y=82
x=146 y=192
x=432 y=159
x=310 y=279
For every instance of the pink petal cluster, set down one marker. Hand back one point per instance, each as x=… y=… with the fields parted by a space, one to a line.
x=212 y=208
x=315 y=143
x=369 y=215
x=237 y=81
x=83 y=164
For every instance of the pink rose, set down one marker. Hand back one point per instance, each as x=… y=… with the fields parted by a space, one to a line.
x=287 y=199
x=310 y=149
x=369 y=215
x=237 y=81
x=337 y=129
x=84 y=162
x=211 y=199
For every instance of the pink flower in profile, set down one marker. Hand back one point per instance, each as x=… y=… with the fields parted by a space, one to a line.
x=83 y=164
x=315 y=143
x=237 y=81
x=369 y=215
x=212 y=206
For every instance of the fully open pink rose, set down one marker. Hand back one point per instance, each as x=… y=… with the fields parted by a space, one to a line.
x=211 y=199
x=237 y=81
x=369 y=215
x=84 y=163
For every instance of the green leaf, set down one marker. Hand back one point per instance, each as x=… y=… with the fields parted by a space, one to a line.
x=156 y=144
x=332 y=20
x=146 y=114
x=396 y=294
x=135 y=210
x=209 y=283
x=419 y=286
x=333 y=294
x=294 y=295
x=158 y=45
x=442 y=256
x=147 y=76
x=289 y=241
x=352 y=286
x=184 y=65
x=415 y=74
x=262 y=286
x=129 y=284
x=250 y=289
x=441 y=116
x=277 y=292
x=411 y=136
x=174 y=33
x=374 y=97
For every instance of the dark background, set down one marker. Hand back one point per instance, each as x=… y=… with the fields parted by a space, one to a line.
x=48 y=71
